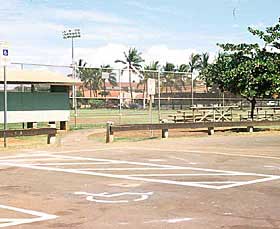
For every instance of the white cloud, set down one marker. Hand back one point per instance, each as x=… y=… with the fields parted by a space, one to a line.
x=89 y=16
x=102 y=55
x=236 y=26
x=164 y=54
x=146 y=7
x=109 y=53
x=259 y=25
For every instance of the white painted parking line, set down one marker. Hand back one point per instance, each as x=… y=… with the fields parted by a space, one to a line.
x=188 y=174
x=168 y=150
x=175 y=220
x=128 y=169
x=149 y=177
x=38 y=159
x=81 y=163
x=206 y=152
x=39 y=216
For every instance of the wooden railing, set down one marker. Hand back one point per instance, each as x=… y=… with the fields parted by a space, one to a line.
x=164 y=127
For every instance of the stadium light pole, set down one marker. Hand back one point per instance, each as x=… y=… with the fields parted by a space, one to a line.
x=71 y=34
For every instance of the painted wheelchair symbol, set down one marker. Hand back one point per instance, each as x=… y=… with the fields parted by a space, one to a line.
x=114 y=198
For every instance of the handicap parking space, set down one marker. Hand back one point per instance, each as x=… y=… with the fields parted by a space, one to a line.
x=139 y=187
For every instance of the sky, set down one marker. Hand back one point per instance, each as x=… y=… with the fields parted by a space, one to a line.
x=163 y=30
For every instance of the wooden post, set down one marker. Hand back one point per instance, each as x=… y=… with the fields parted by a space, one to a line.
x=211 y=131
x=51 y=139
x=250 y=129
x=109 y=132
x=164 y=133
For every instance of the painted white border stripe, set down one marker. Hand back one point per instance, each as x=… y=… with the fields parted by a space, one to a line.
x=80 y=163
x=40 y=216
x=160 y=165
x=131 y=177
x=187 y=174
x=208 y=152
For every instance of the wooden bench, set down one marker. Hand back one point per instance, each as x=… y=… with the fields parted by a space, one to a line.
x=50 y=132
x=164 y=127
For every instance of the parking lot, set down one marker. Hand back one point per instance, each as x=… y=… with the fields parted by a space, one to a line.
x=208 y=182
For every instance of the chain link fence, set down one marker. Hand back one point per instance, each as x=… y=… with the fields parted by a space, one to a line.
x=120 y=95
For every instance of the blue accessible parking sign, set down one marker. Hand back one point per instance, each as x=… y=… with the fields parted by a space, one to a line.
x=5 y=52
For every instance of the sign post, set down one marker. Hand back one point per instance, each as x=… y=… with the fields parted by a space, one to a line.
x=4 y=60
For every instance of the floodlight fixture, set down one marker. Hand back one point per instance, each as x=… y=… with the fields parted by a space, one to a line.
x=71 y=33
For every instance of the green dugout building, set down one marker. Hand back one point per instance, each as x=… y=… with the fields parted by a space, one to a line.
x=36 y=96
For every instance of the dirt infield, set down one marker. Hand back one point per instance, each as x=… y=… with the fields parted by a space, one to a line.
x=195 y=182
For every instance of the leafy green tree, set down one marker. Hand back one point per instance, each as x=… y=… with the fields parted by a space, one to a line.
x=248 y=69
x=132 y=61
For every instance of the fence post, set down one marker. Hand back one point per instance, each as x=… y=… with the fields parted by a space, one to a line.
x=109 y=132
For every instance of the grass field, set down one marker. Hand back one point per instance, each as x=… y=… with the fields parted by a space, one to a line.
x=97 y=118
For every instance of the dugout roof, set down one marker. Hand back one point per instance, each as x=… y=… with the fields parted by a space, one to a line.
x=16 y=76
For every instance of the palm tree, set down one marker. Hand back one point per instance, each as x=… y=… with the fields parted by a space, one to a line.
x=132 y=61
x=204 y=63
x=112 y=78
x=87 y=76
x=81 y=65
x=96 y=80
x=169 y=80
x=149 y=72
x=194 y=64
x=183 y=68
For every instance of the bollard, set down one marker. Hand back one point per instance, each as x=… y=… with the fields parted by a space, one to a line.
x=51 y=139
x=109 y=132
x=250 y=129
x=211 y=131
x=164 y=133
